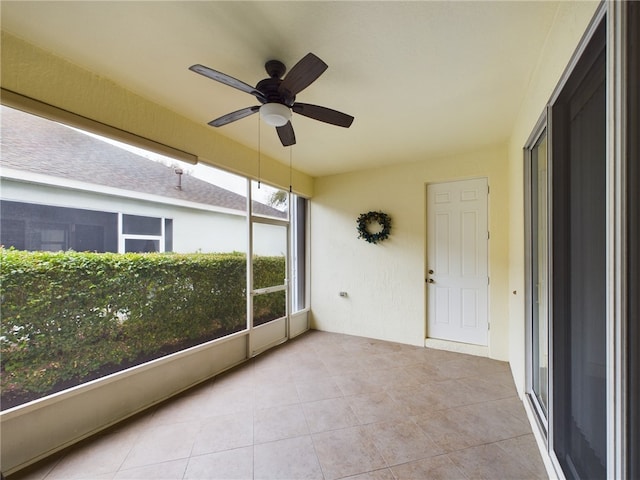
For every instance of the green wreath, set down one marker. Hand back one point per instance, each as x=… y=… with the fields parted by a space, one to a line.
x=374 y=217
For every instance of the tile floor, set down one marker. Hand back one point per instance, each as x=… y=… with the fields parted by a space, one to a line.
x=324 y=406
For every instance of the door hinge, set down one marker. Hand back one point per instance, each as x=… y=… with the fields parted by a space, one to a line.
x=488 y=189
x=488 y=235
x=488 y=280
x=488 y=326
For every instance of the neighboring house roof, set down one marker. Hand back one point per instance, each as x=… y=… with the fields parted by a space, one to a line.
x=33 y=144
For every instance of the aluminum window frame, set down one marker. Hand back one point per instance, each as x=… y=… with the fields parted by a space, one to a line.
x=541 y=129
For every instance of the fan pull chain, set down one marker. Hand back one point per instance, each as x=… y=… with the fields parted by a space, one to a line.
x=290 y=169
x=259 y=154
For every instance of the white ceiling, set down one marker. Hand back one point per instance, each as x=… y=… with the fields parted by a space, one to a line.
x=422 y=79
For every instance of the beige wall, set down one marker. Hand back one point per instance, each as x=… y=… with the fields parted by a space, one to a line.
x=572 y=20
x=386 y=282
x=34 y=73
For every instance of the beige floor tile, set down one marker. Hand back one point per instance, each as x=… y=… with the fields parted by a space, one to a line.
x=240 y=376
x=491 y=421
x=228 y=465
x=267 y=375
x=424 y=373
x=224 y=400
x=419 y=400
x=513 y=406
x=324 y=406
x=317 y=389
x=173 y=470
x=224 y=433
x=162 y=444
x=375 y=407
x=434 y=468
x=379 y=361
x=330 y=414
x=501 y=378
x=342 y=363
x=470 y=425
x=470 y=366
x=293 y=458
x=274 y=394
x=407 y=356
x=102 y=456
x=390 y=378
x=447 y=431
x=382 y=474
x=480 y=390
x=488 y=462
x=402 y=441
x=184 y=408
x=526 y=450
x=304 y=368
x=448 y=394
x=277 y=423
x=358 y=383
x=347 y=452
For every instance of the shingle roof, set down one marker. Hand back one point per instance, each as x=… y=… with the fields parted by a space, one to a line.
x=33 y=144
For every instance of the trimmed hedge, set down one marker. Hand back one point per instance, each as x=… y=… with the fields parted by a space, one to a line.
x=67 y=315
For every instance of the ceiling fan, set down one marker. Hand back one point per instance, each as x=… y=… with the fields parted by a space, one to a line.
x=278 y=96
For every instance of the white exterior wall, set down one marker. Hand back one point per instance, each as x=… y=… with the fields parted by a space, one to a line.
x=196 y=228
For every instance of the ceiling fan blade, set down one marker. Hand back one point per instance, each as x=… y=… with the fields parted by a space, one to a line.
x=323 y=114
x=286 y=134
x=303 y=74
x=233 y=116
x=226 y=79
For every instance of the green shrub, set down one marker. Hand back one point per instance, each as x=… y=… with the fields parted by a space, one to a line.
x=66 y=315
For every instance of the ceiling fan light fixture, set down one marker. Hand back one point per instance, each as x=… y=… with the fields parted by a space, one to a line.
x=275 y=114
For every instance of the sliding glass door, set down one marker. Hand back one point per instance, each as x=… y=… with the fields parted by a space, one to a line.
x=269 y=279
x=566 y=167
x=580 y=267
x=539 y=271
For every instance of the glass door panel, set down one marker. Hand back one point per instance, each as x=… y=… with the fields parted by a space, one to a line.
x=269 y=202
x=580 y=268
x=269 y=306
x=539 y=263
x=269 y=266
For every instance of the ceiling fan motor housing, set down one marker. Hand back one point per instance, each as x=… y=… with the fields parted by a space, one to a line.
x=269 y=87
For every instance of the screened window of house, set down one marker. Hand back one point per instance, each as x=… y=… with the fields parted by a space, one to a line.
x=145 y=234
x=136 y=224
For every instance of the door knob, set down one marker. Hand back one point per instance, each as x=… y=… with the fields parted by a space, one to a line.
x=430 y=272
x=431 y=280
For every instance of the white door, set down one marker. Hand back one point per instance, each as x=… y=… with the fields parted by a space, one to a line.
x=457 y=244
